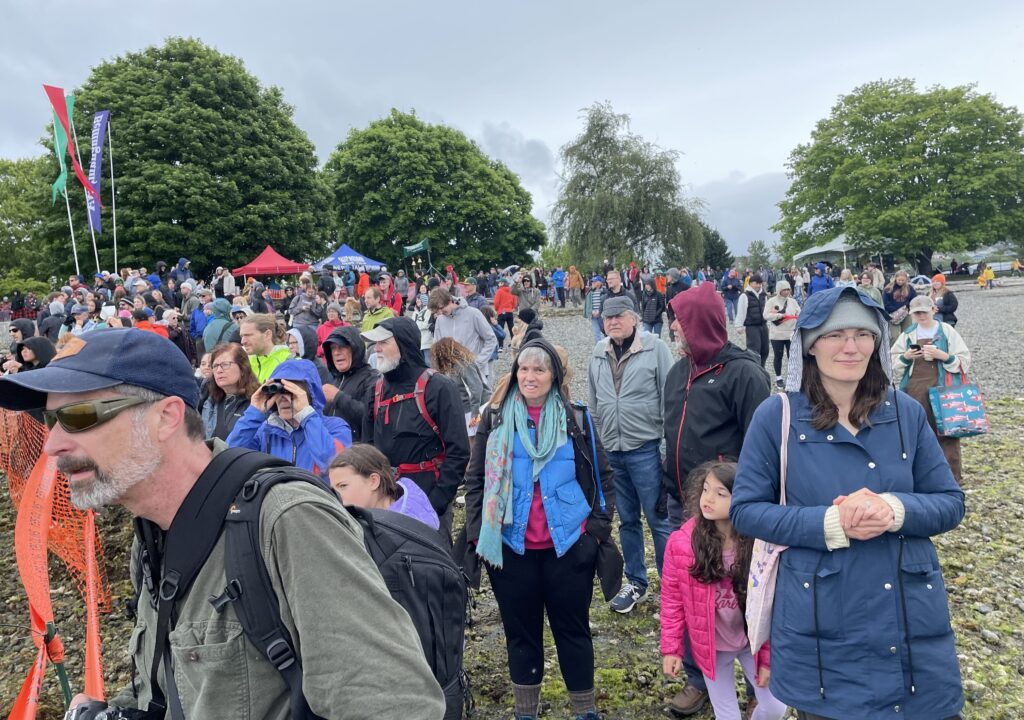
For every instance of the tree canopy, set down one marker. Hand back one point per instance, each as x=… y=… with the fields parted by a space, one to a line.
x=621 y=196
x=759 y=255
x=907 y=172
x=716 y=249
x=208 y=164
x=400 y=181
x=23 y=185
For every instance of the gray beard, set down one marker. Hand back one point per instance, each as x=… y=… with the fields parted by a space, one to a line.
x=109 y=486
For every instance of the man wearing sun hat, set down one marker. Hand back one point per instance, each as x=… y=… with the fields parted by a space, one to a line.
x=125 y=430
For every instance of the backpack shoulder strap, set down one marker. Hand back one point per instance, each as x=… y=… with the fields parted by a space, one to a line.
x=250 y=588
x=168 y=573
x=378 y=395
x=421 y=403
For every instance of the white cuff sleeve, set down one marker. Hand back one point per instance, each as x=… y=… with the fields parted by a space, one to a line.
x=835 y=538
x=898 y=510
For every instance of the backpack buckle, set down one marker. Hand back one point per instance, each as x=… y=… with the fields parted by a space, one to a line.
x=280 y=654
x=250 y=489
x=169 y=586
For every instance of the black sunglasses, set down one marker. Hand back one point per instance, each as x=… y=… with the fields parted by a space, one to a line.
x=81 y=416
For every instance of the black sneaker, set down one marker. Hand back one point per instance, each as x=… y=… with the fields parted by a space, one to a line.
x=627 y=598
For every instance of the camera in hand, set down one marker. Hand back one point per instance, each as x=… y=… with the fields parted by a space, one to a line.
x=274 y=388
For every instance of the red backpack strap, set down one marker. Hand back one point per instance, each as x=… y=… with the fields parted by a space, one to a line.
x=378 y=393
x=421 y=403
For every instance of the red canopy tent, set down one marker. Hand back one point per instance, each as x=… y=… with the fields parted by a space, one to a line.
x=270 y=262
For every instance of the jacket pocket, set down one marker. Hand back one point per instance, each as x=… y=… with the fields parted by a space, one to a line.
x=572 y=505
x=211 y=669
x=927 y=604
x=812 y=600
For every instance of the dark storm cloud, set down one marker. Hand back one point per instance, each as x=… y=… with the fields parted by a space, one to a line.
x=744 y=209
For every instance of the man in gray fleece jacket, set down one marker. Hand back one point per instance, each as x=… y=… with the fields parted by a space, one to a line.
x=627 y=400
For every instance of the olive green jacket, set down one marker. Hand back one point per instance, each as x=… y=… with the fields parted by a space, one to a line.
x=361 y=656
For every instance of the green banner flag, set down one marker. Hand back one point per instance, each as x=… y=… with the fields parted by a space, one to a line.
x=60 y=143
x=422 y=246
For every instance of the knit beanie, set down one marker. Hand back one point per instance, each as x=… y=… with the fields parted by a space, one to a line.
x=336 y=307
x=847 y=313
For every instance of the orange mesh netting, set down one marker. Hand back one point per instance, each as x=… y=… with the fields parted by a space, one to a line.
x=21 y=444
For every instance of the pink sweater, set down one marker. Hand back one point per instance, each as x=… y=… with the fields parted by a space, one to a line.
x=689 y=605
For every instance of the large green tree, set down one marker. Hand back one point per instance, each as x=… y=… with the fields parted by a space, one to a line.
x=908 y=172
x=23 y=187
x=716 y=249
x=621 y=196
x=400 y=181
x=686 y=247
x=759 y=255
x=208 y=165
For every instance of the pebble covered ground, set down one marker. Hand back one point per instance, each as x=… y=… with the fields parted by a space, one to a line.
x=983 y=564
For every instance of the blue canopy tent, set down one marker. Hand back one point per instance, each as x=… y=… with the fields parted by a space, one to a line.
x=347 y=257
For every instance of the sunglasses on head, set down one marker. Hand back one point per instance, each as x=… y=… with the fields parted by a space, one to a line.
x=81 y=416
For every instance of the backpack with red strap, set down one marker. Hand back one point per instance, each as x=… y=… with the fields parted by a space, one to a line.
x=419 y=395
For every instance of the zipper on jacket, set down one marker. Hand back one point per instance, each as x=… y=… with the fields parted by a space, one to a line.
x=682 y=420
x=408 y=567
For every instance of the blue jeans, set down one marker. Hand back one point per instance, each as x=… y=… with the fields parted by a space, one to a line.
x=597 y=325
x=653 y=328
x=730 y=307
x=637 y=475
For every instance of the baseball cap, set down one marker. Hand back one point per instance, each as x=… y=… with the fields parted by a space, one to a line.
x=468 y=281
x=378 y=334
x=921 y=303
x=79 y=308
x=597 y=278
x=101 y=359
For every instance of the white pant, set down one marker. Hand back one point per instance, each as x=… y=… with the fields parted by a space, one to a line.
x=722 y=690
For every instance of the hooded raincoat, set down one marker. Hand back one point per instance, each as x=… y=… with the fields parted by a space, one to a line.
x=860 y=631
x=312 y=444
x=355 y=385
x=218 y=328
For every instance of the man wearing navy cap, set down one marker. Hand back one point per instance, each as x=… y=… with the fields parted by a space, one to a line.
x=125 y=431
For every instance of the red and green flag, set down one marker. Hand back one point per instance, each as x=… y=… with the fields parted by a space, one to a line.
x=60 y=110
x=60 y=146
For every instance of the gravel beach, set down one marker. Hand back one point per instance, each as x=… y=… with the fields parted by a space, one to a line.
x=990 y=321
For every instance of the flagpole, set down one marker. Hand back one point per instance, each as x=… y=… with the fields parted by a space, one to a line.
x=92 y=230
x=113 y=195
x=71 y=224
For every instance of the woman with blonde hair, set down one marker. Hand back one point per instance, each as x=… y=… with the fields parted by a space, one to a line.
x=896 y=299
x=454 y=359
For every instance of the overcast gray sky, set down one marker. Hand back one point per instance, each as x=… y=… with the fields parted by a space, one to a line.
x=734 y=86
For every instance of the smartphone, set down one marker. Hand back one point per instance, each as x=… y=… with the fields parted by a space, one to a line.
x=915 y=346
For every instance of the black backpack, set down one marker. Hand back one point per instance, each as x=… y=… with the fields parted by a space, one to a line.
x=228 y=496
x=424 y=579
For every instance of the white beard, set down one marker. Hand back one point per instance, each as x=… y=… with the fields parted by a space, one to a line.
x=386 y=365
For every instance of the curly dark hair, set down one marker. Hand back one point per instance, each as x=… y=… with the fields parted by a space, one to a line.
x=707 y=565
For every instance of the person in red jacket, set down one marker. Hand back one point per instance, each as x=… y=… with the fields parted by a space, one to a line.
x=505 y=305
x=703 y=594
x=389 y=296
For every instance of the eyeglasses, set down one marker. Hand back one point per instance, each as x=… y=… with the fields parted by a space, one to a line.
x=223 y=365
x=81 y=416
x=861 y=338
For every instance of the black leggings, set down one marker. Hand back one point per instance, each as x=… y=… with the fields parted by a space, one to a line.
x=536 y=581
x=757 y=341
x=779 y=347
x=507 y=319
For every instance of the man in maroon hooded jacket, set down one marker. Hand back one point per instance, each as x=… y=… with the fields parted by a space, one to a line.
x=710 y=395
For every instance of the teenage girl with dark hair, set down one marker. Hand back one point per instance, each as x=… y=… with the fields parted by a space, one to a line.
x=704 y=592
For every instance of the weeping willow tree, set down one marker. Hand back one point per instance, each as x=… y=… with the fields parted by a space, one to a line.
x=621 y=197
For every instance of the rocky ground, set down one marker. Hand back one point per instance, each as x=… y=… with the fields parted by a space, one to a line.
x=983 y=564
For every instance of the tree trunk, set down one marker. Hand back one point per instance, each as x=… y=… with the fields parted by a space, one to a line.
x=923 y=261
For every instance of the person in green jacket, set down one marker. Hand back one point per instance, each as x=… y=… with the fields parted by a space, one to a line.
x=376 y=311
x=258 y=334
x=135 y=439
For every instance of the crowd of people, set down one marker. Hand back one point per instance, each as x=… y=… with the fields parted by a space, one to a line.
x=384 y=387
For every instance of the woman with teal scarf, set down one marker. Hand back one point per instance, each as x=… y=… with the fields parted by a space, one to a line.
x=536 y=512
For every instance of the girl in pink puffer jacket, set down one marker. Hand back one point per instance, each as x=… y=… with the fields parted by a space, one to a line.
x=703 y=593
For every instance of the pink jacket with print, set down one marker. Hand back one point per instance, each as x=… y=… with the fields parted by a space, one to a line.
x=689 y=605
